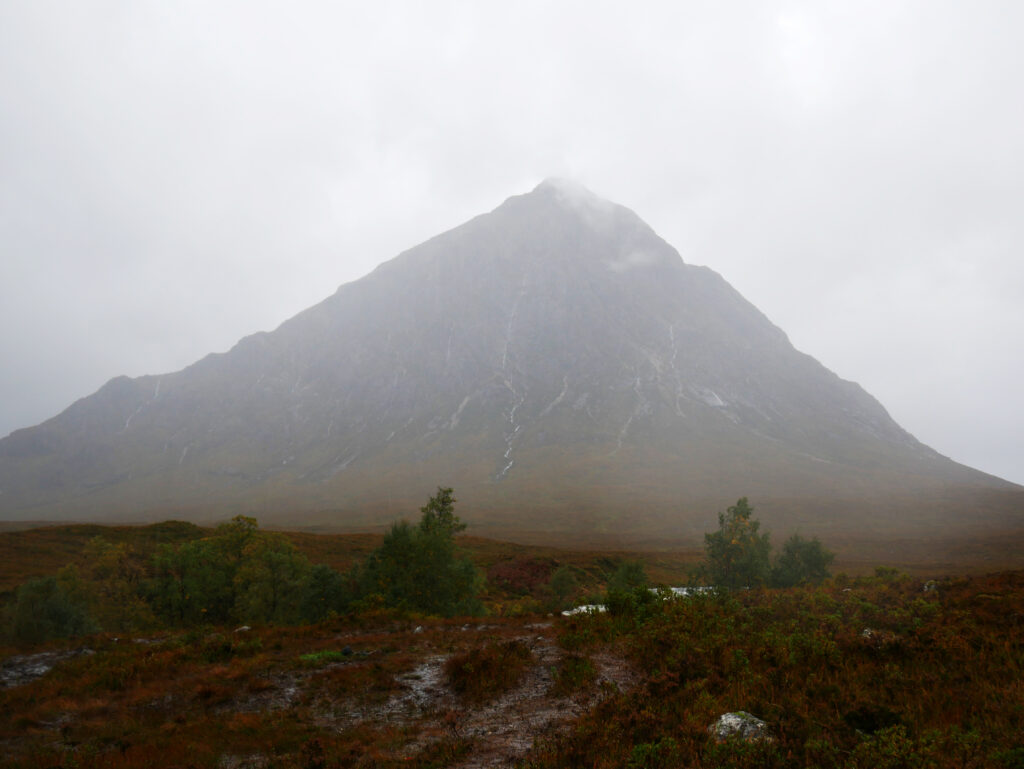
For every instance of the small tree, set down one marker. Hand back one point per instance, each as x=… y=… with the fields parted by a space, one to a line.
x=628 y=592
x=561 y=588
x=270 y=580
x=628 y=577
x=801 y=562
x=439 y=515
x=113 y=575
x=419 y=568
x=49 y=607
x=324 y=591
x=737 y=555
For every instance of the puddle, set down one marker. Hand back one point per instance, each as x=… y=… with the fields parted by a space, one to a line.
x=26 y=668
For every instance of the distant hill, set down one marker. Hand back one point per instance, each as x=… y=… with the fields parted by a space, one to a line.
x=554 y=360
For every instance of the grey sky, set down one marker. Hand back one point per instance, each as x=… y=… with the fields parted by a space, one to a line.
x=174 y=176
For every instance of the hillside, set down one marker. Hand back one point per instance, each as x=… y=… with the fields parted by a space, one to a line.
x=554 y=360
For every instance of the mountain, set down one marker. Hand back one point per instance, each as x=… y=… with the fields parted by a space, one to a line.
x=554 y=360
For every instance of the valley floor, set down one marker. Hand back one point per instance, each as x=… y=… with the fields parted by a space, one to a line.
x=882 y=671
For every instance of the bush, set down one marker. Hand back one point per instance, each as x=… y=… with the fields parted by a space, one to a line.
x=801 y=562
x=239 y=574
x=488 y=670
x=562 y=588
x=49 y=607
x=737 y=555
x=419 y=568
x=574 y=672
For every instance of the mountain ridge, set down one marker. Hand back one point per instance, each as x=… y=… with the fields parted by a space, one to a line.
x=554 y=359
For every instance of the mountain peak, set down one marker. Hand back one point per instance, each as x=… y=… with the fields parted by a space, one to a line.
x=575 y=196
x=567 y=187
x=553 y=359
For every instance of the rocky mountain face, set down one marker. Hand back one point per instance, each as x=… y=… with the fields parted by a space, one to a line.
x=554 y=360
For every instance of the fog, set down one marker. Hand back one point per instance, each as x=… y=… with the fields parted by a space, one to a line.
x=173 y=178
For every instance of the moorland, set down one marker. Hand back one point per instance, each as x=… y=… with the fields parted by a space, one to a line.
x=875 y=665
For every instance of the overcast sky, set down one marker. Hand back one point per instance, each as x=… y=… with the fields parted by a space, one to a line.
x=174 y=176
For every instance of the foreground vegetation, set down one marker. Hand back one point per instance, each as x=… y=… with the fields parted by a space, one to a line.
x=173 y=646
x=239 y=574
x=874 y=672
x=882 y=671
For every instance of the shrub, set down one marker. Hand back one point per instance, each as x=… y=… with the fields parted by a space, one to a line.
x=737 y=555
x=50 y=607
x=488 y=670
x=419 y=568
x=574 y=672
x=801 y=562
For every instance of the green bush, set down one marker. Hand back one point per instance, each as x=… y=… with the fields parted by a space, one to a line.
x=737 y=555
x=801 y=562
x=45 y=608
x=239 y=574
x=418 y=568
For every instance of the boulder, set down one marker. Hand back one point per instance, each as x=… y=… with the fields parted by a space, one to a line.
x=740 y=726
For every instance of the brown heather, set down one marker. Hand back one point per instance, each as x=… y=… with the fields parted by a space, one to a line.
x=863 y=671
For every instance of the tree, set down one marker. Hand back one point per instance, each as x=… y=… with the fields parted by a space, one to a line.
x=627 y=577
x=270 y=580
x=238 y=574
x=561 y=588
x=50 y=607
x=439 y=515
x=193 y=583
x=419 y=568
x=628 y=591
x=801 y=562
x=737 y=555
x=114 y=574
x=324 y=591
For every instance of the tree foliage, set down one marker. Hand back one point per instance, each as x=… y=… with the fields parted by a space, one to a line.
x=113 y=576
x=419 y=567
x=628 y=591
x=561 y=588
x=240 y=574
x=49 y=607
x=737 y=554
x=801 y=562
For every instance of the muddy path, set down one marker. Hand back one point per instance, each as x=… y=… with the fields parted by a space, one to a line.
x=503 y=728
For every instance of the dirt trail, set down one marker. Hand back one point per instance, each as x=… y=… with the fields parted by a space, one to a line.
x=504 y=728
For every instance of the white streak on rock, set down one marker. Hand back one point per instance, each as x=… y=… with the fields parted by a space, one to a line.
x=453 y=420
x=556 y=401
x=128 y=421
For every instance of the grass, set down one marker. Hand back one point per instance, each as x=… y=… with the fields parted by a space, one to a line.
x=868 y=671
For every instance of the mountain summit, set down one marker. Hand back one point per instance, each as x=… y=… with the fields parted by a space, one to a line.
x=554 y=360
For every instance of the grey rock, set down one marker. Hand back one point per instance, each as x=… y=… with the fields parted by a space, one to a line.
x=740 y=725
